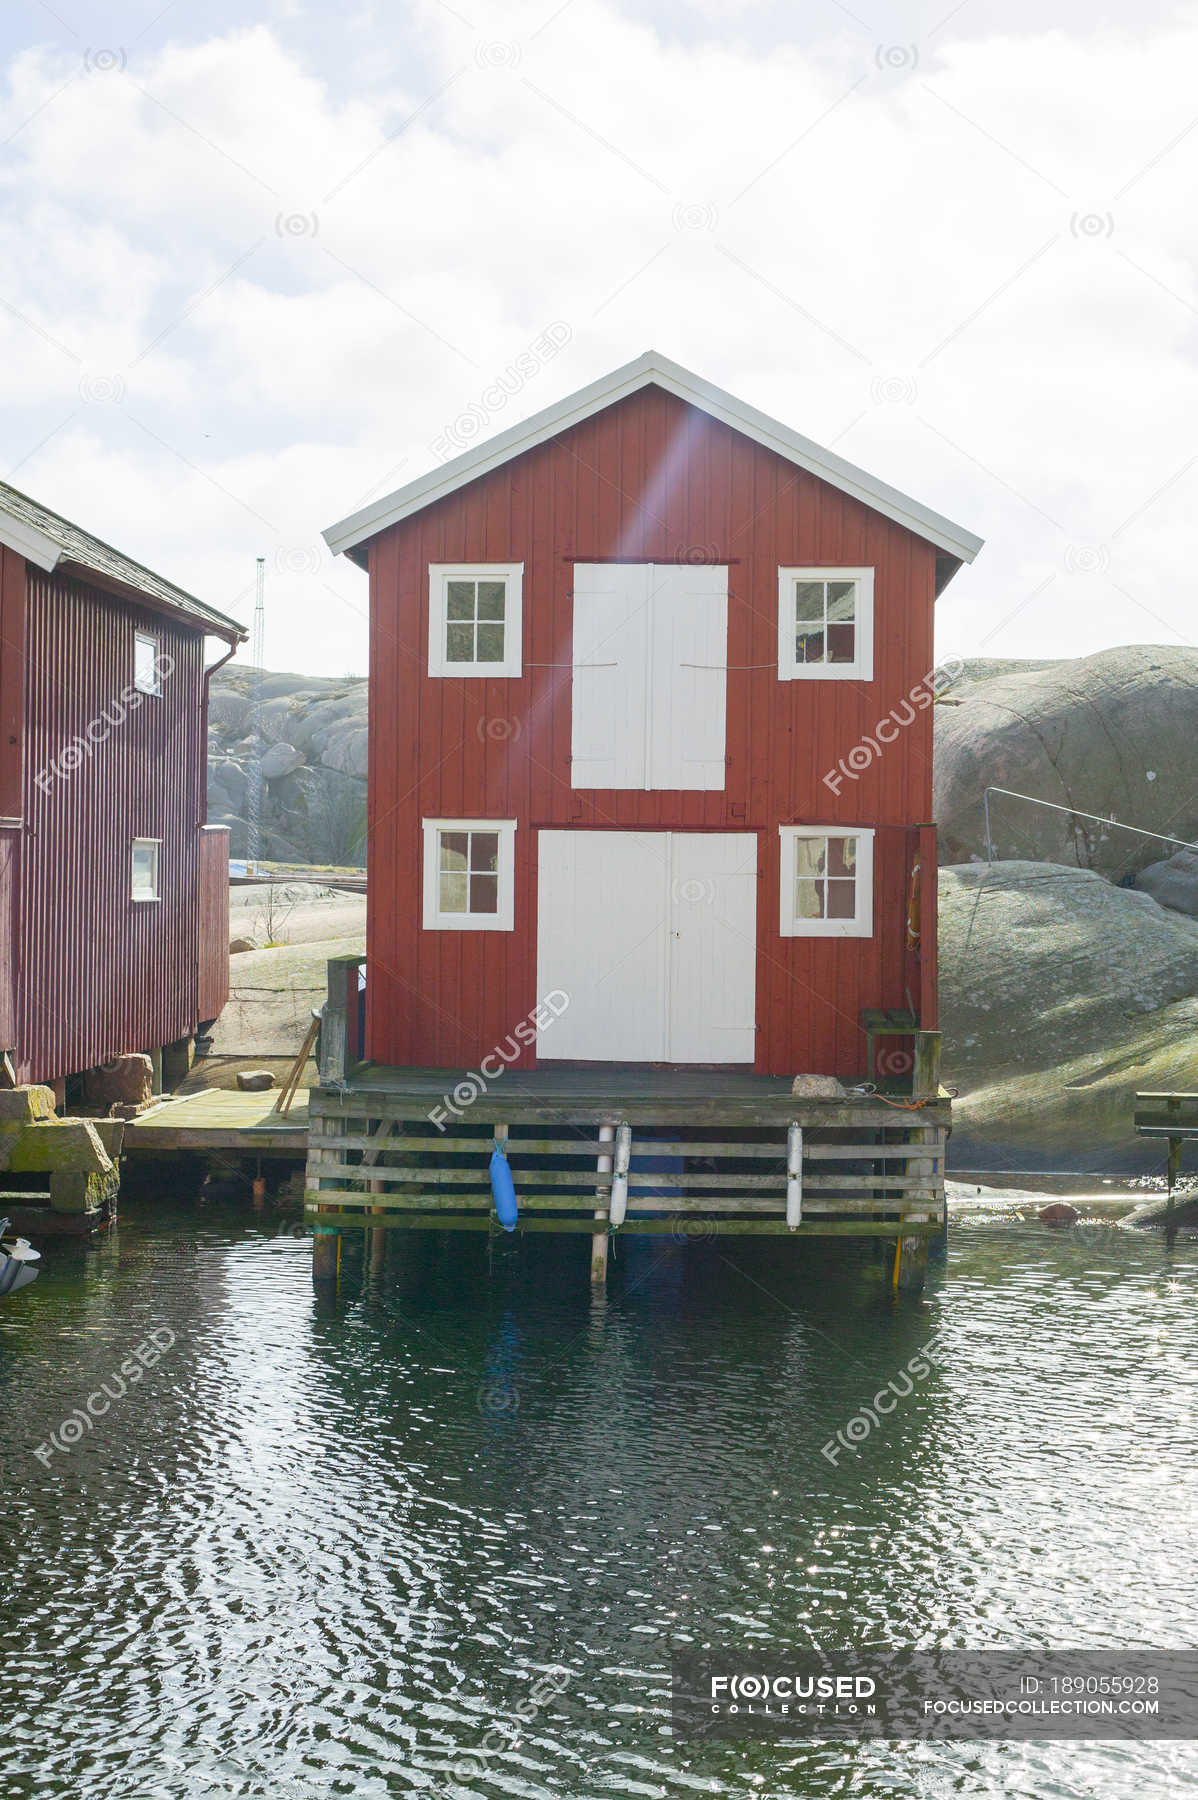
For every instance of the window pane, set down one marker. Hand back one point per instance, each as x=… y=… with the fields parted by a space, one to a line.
x=459 y=601
x=453 y=892
x=490 y=644
x=842 y=641
x=484 y=850
x=145 y=869
x=842 y=600
x=491 y=595
x=459 y=643
x=842 y=899
x=484 y=893
x=809 y=899
x=842 y=855
x=145 y=664
x=810 y=854
x=809 y=602
x=809 y=647
x=453 y=849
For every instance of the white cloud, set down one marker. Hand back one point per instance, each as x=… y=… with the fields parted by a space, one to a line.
x=972 y=272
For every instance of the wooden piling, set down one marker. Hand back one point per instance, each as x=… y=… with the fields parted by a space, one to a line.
x=326 y=1254
x=910 y=1264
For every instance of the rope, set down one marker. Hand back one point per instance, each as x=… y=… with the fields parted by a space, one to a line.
x=867 y=1091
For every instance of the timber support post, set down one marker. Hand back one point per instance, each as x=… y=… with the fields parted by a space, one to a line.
x=326 y=1254
x=925 y=1072
x=340 y=1036
x=1173 y=1171
x=910 y=1264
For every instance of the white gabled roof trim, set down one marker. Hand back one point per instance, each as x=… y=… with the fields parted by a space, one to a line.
x=33 y=545
x=657 y=371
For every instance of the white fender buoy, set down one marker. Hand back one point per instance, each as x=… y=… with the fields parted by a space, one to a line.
x=619 y=1181
x=794 y=1176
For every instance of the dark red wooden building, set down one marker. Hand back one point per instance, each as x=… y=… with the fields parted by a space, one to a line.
x=113 y=890
x=650 y=742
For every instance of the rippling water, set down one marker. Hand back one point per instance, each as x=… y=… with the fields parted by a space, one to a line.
x=324 y=1545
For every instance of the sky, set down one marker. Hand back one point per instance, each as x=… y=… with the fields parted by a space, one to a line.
x=258 y=262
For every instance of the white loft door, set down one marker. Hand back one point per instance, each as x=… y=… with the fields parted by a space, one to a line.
x=649 y=680
x=652 y=935
x=687 y=676
x=609 y=680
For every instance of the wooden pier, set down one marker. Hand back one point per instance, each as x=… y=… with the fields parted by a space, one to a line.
x=602 y=1149
x=1174 y=1118
x=221 y=1119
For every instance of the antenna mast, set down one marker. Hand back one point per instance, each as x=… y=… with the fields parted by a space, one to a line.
x=254 y=785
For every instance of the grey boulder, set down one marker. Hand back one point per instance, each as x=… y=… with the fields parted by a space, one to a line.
x=1174 y=882
x=1115 y=733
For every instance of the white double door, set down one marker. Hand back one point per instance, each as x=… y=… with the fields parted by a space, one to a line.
x=652 y=936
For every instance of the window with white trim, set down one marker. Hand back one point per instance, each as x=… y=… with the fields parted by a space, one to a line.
x=146 y=677
x=469 y=874
x=825 y=624
x=144 y=873
x=474 y=619
x=827 y=882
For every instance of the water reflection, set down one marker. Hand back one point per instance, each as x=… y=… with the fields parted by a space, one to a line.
x=331 y=1543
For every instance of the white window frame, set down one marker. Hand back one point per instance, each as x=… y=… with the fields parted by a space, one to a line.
x=504 y=918
x=439 y=577
x=862 y=666
x=142 y=843
x=861 y=925
x=146 y=637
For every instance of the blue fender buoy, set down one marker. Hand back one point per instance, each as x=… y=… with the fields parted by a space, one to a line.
x=504 y=1190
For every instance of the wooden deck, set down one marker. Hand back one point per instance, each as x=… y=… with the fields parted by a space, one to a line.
x=601 y=1094
x=221 y=1119
x=705 y=1151
x=606 y=1148
x=1173 y=1117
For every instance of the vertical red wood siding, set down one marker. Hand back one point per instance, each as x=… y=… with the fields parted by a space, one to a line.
x=213 y=981
x=650 y=479
x=101 y=974
x=10 y=868
x=12 y=733
x=12 y=680
x=929 y=971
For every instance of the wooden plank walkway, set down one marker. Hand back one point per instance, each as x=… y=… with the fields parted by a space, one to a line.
x=221 y=1119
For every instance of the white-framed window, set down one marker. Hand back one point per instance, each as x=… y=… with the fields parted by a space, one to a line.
x=144 y=871
x=474 y=618
x=827 y=881
x=469 y=874
x=146 y=677
x=826 y=624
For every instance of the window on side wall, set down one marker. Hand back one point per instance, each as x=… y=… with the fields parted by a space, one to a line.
x=145 y=869
x=146 y=677
x=827 y=882
x=469 y=874
x=825 y=624
x=474 y=625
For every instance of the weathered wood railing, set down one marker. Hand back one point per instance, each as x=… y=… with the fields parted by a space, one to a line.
x=361 y=1167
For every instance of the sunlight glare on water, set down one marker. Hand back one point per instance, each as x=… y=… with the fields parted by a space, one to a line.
x=328 y=1544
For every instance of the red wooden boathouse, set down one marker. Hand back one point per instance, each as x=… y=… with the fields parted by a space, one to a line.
x=628 y=666
x=113 y=891
x=650 y=781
